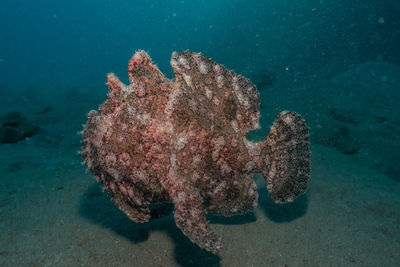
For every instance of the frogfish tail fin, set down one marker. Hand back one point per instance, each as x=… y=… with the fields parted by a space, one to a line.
x=285 y=157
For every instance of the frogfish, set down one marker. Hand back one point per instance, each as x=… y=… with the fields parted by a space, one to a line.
x=183 y=140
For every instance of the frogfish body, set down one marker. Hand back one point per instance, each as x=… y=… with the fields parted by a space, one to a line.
x=183 y=140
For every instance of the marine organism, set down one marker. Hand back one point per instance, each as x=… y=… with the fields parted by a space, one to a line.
x=183 y=140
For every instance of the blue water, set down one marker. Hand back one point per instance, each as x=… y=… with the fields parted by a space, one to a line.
x=65 y=44
x=337 y=63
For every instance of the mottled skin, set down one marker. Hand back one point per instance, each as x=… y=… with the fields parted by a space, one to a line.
x=183 y=141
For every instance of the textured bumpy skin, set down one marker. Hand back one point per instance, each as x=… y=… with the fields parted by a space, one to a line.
x=183 y=141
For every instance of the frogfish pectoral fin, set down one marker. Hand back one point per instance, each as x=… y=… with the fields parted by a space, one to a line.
x=190 y=214
x=190 y=217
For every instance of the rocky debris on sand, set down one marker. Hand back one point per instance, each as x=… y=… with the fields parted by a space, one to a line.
x=16 y=127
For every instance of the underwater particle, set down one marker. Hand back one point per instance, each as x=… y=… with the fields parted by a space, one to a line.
x=185 y=143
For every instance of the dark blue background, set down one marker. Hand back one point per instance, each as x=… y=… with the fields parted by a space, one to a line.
x=54 y=45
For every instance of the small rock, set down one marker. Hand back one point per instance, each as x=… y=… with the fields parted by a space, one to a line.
x=16 y=127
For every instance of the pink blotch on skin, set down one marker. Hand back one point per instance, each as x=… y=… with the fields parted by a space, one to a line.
x=156 y=167
x=144 y=165
x=149 y=156
x=139 y=149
